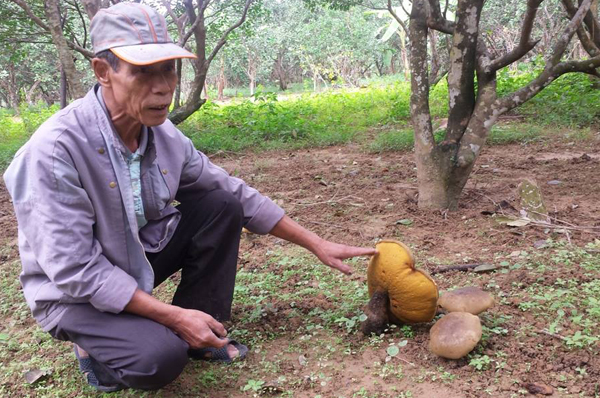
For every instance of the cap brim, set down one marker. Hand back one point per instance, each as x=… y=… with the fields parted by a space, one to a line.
x=146 y=54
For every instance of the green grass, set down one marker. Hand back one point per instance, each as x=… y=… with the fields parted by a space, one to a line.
x=15 y=130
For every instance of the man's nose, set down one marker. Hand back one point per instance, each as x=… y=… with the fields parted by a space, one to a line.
x=161 y=84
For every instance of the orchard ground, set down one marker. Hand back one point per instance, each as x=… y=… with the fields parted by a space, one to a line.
x=300 y=319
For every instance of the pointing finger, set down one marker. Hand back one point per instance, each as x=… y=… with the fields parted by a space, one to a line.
x=353 y=251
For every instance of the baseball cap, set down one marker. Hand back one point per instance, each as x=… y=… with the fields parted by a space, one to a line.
x=135 y=33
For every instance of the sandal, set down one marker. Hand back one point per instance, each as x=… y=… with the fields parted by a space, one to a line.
x=86 y=367
x=219 y=354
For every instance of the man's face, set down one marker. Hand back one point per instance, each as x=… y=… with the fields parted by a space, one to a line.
x=144 y=93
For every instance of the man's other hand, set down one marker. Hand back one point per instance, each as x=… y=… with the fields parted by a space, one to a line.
x=198 y=329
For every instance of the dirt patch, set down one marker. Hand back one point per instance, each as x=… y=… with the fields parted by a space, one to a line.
x=345 y=194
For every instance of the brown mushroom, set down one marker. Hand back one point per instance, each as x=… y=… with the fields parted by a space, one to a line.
x=467 y=299
x=455 y=335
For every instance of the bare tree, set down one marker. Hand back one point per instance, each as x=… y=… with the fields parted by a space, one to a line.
x=443 y=168
x=196 y=17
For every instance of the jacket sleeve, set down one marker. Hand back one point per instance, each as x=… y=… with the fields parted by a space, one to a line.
x=199 y=175
x=56 y=218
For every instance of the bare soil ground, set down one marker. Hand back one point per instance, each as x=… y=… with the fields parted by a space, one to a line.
x=350 y=196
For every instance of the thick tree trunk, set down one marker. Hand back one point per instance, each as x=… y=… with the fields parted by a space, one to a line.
x=74 y=77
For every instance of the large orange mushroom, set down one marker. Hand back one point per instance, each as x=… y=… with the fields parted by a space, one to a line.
x=400 y=293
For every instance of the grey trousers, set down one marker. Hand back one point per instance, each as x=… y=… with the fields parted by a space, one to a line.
x=139 y=353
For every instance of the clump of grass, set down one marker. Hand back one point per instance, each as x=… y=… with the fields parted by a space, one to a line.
x=400 y=140
x=503 y=134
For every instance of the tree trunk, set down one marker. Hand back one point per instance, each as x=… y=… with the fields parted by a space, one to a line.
x=13 y=89
x=29 y=93
x=280 y=70
x=203 y=61
x=63 y=88
x=405 y=61
x=252 y=85
x=206 y=90
x=221 y=82
x=178 y=66
x=74 y=77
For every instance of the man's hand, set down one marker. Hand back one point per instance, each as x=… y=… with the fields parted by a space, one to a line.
x=332 y=254
x=197 y=328
x=329 y=253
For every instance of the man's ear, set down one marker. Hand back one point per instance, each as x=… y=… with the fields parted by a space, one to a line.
x=102 y=71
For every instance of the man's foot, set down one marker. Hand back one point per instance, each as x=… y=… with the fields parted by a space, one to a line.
x=229 y=353
x=86 y=367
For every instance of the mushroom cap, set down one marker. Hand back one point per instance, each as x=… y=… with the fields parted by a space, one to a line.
x=467 y=299
x=455 y=335
x=413 y=294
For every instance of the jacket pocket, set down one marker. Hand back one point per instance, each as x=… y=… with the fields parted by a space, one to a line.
x=160 y=193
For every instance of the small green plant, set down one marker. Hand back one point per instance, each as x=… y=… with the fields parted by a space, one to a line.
x=407 y=331
x=253 y=385
x=480 y=362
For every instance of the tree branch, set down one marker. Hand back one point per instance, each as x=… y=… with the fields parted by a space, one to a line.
x=85 y=35
x=525 y=43
x=195 y=20
x=29 y=12
x=553 y=68
x=589 y=41
x=436 y=21
x=563 y=41
x=223 y=38
x=396 y=17
x=21 y=3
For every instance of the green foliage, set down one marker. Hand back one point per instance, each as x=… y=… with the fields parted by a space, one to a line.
x=16 y=130
x=337 y=117
x=325 y=119
x=571 y=100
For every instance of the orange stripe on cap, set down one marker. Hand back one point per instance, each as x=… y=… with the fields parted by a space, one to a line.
x=151 y=25
x=127 y=18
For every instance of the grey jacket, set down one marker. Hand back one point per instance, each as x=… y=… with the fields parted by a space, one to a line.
x=75 y=239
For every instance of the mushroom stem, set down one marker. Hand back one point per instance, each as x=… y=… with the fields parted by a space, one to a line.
x=377 y=314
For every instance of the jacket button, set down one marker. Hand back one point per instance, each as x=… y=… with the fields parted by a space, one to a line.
x=112 y=184
x=101 y=151
x=164 y=171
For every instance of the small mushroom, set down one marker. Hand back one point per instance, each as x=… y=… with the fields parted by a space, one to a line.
x=467 y=299
x=455 y=335
x=412 y=293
